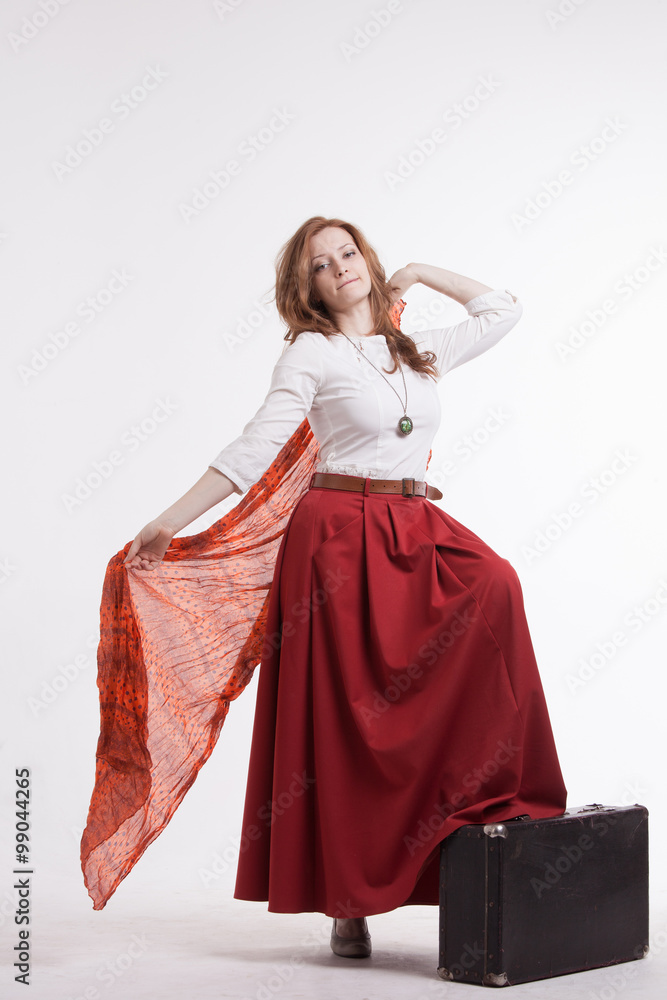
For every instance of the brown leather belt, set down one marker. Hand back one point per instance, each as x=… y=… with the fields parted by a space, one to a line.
x=406 y=487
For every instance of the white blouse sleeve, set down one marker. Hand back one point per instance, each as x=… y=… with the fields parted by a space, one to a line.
x=296 y=378
x=491 y=316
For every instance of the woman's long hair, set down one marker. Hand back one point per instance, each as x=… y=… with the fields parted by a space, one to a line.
x=297 y=306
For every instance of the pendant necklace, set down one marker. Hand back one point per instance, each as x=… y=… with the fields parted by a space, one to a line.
x=405 y=424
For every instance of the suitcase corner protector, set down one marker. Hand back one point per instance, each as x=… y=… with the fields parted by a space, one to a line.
x=445 y=974
x=495 y=979
x=495 y=830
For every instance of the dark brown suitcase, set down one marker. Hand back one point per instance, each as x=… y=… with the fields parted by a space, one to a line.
x=528 y=899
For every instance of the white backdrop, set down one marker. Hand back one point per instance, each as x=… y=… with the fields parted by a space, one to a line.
x=157 y=154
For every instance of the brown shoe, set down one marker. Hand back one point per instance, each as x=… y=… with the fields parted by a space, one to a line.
x=346 y=947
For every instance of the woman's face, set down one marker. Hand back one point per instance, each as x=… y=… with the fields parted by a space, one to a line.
x=339 y=272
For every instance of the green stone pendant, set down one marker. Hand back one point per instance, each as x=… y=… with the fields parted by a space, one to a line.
x=405 y=425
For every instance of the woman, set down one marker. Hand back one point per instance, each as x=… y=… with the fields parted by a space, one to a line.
x=398 y=696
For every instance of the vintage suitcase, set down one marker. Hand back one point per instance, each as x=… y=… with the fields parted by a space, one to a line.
x=529 y=899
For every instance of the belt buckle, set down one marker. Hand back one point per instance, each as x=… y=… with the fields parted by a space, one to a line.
x=411 y=488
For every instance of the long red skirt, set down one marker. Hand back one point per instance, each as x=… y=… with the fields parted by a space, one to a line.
x=398 y=699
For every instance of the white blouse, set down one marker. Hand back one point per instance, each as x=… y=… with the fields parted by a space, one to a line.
x=353 y=412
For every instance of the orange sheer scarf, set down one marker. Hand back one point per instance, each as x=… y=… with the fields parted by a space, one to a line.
x=176 y=646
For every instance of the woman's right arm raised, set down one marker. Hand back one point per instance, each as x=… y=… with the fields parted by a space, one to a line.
x=150 y=545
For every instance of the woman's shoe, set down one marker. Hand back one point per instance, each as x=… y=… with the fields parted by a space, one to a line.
x=347 y=947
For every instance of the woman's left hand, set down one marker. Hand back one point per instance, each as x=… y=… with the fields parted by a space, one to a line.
x=401 y=280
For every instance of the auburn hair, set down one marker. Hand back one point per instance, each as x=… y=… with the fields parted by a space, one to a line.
x=297 y=306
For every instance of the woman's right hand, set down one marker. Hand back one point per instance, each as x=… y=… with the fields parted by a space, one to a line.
x=149 y=546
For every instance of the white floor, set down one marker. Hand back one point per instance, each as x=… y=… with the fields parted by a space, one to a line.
x=153 y=942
